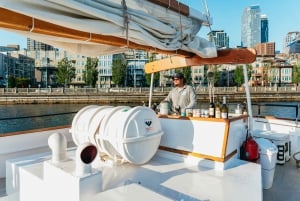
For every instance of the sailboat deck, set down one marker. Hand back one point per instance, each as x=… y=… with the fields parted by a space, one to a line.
x=285 y=184
x=2 y=187
x=216 y=185
x=175 y=179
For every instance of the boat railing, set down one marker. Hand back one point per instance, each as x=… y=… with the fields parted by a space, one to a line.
x=35 y=116
x=199 y=89
x=19 y=130
x=259 y=108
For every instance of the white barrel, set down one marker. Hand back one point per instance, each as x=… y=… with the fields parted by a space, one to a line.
x=133 y=134
x=86 y=123
x=130 y=133
x=104 y=146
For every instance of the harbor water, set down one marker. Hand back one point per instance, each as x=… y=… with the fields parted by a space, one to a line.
x=15 y=118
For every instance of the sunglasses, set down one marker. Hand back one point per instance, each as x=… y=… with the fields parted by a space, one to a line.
x=176 y=79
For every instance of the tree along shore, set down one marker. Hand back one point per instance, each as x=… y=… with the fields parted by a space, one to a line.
x=140 y=96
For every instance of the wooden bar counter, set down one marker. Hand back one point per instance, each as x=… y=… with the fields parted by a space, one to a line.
x=206 y=138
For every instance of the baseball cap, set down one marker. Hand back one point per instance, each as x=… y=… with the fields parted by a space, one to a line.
x=178 y=76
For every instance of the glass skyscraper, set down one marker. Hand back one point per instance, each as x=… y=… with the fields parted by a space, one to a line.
x=251 y=26
x=264 y=28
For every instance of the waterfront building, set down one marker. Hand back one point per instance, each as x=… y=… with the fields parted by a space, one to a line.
x=45 y=63
x=220 y=38
x=136 y=60
x=13 y=64
x=265 y=49
x=281 y=72
x=105 y=71
x=198 y=75
x=251 y=26
x=271 y=70
x=294 y=59
x=226 y=75
x=260 y=71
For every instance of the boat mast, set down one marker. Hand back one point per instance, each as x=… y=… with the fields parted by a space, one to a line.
x=247 y=89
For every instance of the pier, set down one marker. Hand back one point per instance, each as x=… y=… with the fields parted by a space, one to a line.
x=138 y=95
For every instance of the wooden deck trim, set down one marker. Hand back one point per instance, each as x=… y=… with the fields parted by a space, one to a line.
x=34 y=131
x=197 y=155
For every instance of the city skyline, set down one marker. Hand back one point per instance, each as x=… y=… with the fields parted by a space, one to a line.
x=283 y=18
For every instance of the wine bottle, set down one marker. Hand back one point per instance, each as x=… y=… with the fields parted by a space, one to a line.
x=244 y=108
x=217 y=109
x=224 y=109
x=211 y=108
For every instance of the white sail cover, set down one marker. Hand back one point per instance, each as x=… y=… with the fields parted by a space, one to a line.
x=137 y=21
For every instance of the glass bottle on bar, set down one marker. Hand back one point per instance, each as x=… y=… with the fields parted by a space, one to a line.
x=224 y=109
x=218 y=109
x=211 y=108
x=245 y=108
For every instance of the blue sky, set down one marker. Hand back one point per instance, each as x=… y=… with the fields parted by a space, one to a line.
x=283 y=15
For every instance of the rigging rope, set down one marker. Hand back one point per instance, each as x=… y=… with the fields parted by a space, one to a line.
x=204 y=4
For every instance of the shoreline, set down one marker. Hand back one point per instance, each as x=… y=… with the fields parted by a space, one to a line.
x=135 y=98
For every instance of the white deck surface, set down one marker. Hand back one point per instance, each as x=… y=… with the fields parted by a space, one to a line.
x=286 y=183
x=165 y=176
x=178 y=181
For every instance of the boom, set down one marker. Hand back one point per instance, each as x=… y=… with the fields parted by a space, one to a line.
x=226 y=56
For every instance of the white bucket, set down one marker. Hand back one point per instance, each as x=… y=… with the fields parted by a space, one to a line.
x=130 y=133
x=164 y=108
x=267 y=178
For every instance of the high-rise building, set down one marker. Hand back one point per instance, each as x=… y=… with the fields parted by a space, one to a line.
x=220 y=38
x=36 y=45
x=251 y=26
x=292 y=43
x=264 y=28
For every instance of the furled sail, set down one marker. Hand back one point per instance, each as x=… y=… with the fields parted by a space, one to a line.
x=96 y=27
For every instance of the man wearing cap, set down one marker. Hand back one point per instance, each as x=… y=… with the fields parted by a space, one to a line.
x=182 y=96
